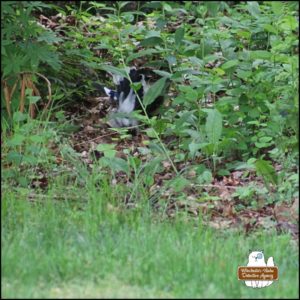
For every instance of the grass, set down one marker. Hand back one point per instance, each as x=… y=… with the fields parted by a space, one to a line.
x=61 y=249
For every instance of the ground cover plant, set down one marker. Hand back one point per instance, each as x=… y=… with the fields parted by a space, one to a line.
x=173 y=208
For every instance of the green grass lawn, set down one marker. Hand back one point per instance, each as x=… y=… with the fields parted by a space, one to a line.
x=57 y=249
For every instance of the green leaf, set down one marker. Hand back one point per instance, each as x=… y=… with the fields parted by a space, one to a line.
x=266 y=170
x=154 y=91
x=151 y=132
x=23 y=181
x=265 y=139
x=270 y=28
x=171 y=59
x=37 y=138
x=49 y=37
x=162 y=73
x=107 y=149
x=253 y=8
x=114 y=70
x=212 y=7
x=33 y=99
x=14 y=157
x=160 y=23
x=153 y=166
x=140 y=54
x=179 y=183
x=277 y=7
x=205 y=177
x=156 y=148
x=19 y=116
x=167 y=6
x=115 y=163
x=179 y=34
x=289 y=23
x=262 y=145
x=213 y=126
x=229 y=64
x=152 y=41
x=16 y=140
x=30 y=159
x=136 y=86
x=260 y=54
x=194 y=147
x=190 y=94
x=121 y=4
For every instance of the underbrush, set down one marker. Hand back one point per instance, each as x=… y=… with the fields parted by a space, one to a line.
x=171 y=211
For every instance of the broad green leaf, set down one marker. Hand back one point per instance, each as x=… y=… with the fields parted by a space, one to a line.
x=212 y=7
x=163 y=73
x=270 y=28
x=167 y=6
x=141 y=53
x=14 y=157
x=151 y=41
x=265 y=139
x=37 y=138
x=196 y=61
x=136 y=86
x=121 y=4
x=19 y=116
x=16 y=140
x=190 y=94
x=33 y=99
x=179 y=183
x=154 y=165
x=23 y=181
x=229 y=64
x=171 y=59
x=156 y=148
x=253 y=8
x=179 y=34
x=154 y=91
x=160 y=23
x=30 y=159
x=107 y=149
x=114 y=70
x=223 y=172
x=262 y=145
x=205 y=177
x=194 y=147
x=8 y=173
x=219 y=71
x=266 y=170
x=148 y=180
x=260 y=54
x=213 y=125
x=151 y=132
x=115 y=163
x=277 y=7
x=289 y=23
x=49 y=37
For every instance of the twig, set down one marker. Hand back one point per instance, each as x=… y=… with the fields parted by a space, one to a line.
x=48 y=85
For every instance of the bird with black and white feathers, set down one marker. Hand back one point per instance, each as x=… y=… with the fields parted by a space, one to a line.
x=127 y=100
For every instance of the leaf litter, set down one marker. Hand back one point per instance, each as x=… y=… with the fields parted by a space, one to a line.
x=215 y=203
